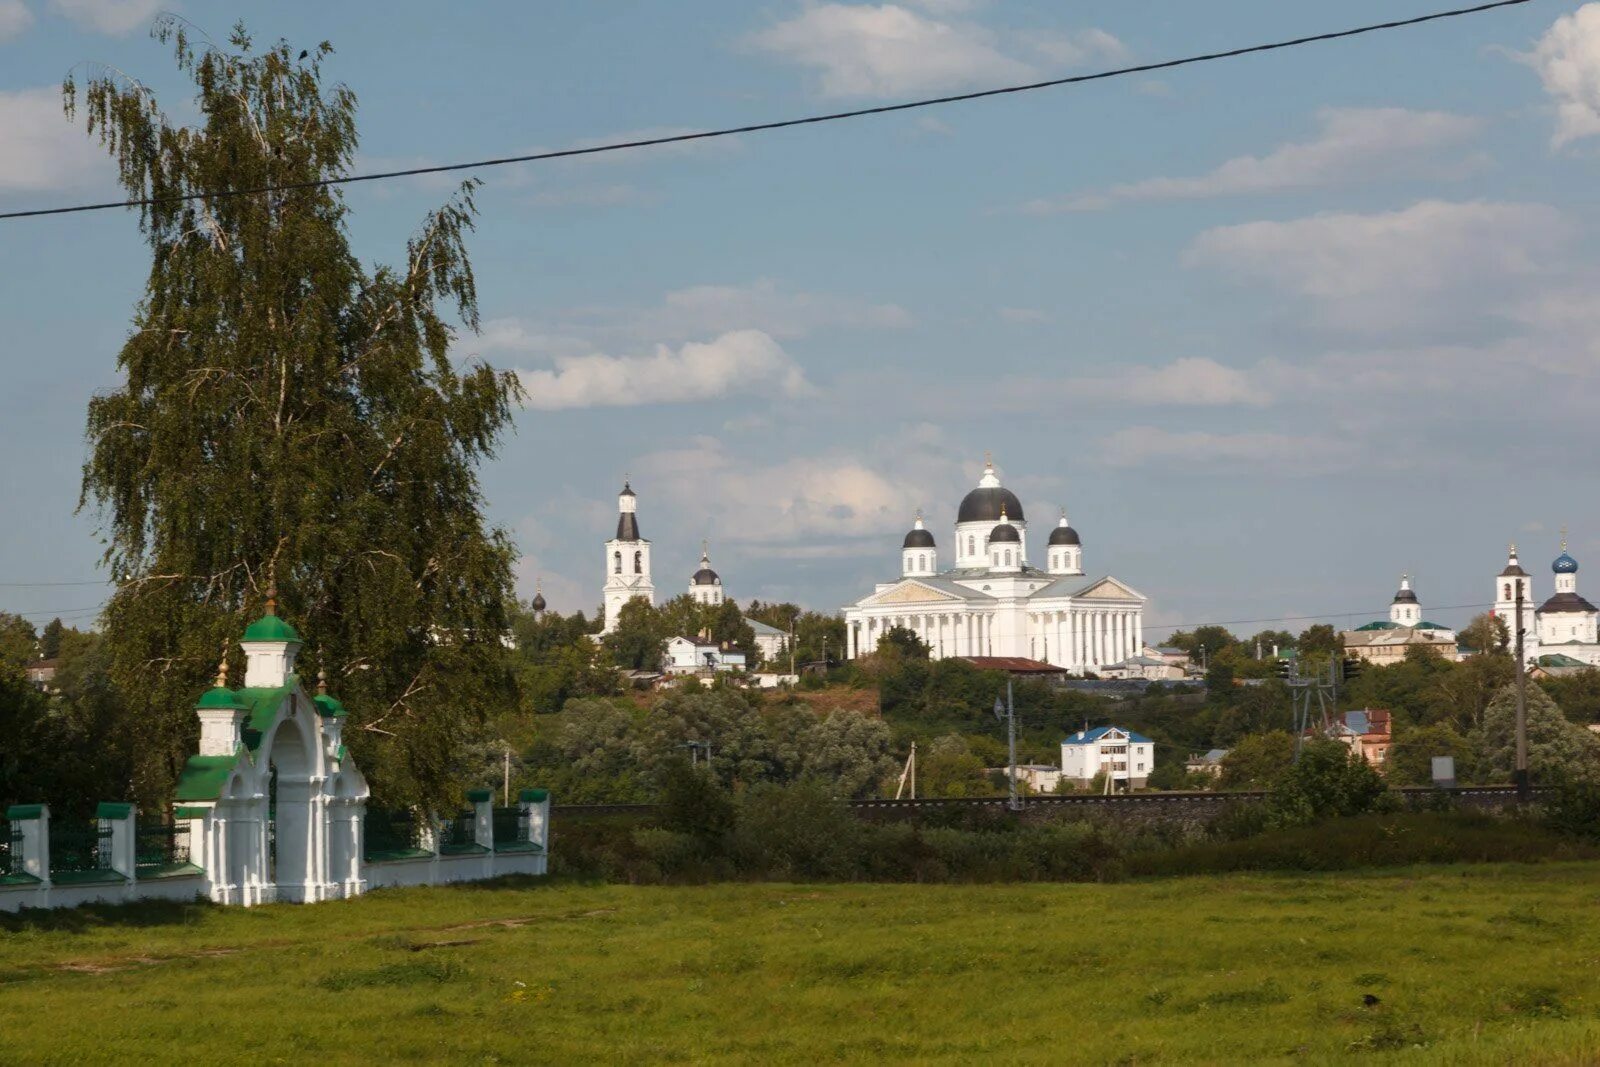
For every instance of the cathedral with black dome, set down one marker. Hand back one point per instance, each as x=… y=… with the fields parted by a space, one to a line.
x=993 y=601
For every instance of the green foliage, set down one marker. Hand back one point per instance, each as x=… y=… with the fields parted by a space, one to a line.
x=815 y=635
x=898 y=641
x=1485 y=633
x=284 y=409
x=1558 y=749
x=949 y=768
x=1578 y=694
x=695 y=803
x=1327 y=781
x=18 y=640
x=1257 y=761
x=1319 y=640
x=1411 y=752
x=556 y=660
x=637 y=642
x=50 y=639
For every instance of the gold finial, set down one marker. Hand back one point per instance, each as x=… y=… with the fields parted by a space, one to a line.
x=919 y=514
x=322 y=681
x=1563 y=537
x=705 y=548
x=272 y=587
x=222 y=668
x=988 y=459
x=1003 y=512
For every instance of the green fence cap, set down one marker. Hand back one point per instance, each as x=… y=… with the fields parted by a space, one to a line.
x=534 y=796
x=479 y=796
x=25 y=811
x=113 y=809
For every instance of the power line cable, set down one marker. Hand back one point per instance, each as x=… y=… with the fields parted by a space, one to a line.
x=761 y=127
x=42 y=585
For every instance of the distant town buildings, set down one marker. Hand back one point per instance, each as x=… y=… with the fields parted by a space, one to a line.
x=1387 y=640
x=993 y=602
x=628 y=578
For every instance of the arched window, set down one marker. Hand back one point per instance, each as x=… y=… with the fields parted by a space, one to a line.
x=972 y=545
x=1507 y=593
x=922 y=562
x=616 y=563
x=1008 y=557
x=638 y=562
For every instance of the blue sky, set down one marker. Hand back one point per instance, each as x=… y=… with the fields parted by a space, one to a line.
x=1273 y=330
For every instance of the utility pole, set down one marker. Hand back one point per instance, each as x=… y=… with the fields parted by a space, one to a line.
x=507 y=787
x=1010 y=713
x=908 y=774
x=1521 y=776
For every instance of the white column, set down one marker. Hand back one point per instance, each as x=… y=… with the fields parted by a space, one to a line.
x=1138 y=633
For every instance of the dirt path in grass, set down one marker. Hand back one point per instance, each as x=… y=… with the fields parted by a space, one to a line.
x=111 y=964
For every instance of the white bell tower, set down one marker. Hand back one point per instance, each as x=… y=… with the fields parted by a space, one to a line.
x=627 y=561
x=1405 y=610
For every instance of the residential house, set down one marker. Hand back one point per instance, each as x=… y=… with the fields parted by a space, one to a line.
x=696 y=655
x=1120 y=754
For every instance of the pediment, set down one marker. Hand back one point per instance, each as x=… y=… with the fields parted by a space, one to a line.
x=1108 y=589
x=909 y=593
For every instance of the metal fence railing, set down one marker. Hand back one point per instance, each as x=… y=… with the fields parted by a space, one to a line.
x=459 y=834
x=160 y=845
x=76 y=847
x=390 y=832
x=510 y=828
x=10 y=850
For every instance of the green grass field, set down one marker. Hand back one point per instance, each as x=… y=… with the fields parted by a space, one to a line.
x=1484 y=964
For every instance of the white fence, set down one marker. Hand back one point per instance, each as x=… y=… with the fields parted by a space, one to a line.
x=112 y=859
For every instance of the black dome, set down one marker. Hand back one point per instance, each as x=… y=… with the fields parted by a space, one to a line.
x=919 y=539
x=1405 y=596
x=1005 y=533
x=538 y=602
x=1064 y=535
x=985 y=505
x=705 y=576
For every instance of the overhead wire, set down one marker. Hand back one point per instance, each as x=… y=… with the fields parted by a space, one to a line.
x=762 y=127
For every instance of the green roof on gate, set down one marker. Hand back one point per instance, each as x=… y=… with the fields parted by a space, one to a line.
x=270 y=628
x=203 y=777
x=219 y=697
x=113 y=809
x=328 y=707
x=264 y=704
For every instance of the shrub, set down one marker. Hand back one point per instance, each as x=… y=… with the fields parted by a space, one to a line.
x=1327 y=781
x=1573 y=808
x=797 y=831
x=694 y=803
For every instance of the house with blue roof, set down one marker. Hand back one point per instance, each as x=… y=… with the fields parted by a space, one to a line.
x=1123 y=757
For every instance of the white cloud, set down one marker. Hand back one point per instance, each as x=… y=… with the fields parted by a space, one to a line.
x=1388 y=261
x=1192 y=381
x=888 y=50
x=1353 y=145
x=796 y=500
x=1074 y=49
x=1567 y=58
x=1138 y=446
x=115 y=17
x=742 y=361
x=39 y=149
x=14 y=18
x=891 y=50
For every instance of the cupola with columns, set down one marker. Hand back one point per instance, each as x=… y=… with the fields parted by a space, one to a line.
x=919 y=556
x=1064 y=552
x=977 y=515
x=627 y=560
x=1405 y=609
x=705 y=586
x=1005 y=546
x=1506 y=584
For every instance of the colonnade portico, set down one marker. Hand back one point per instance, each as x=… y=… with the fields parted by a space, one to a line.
x=1075 y=637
